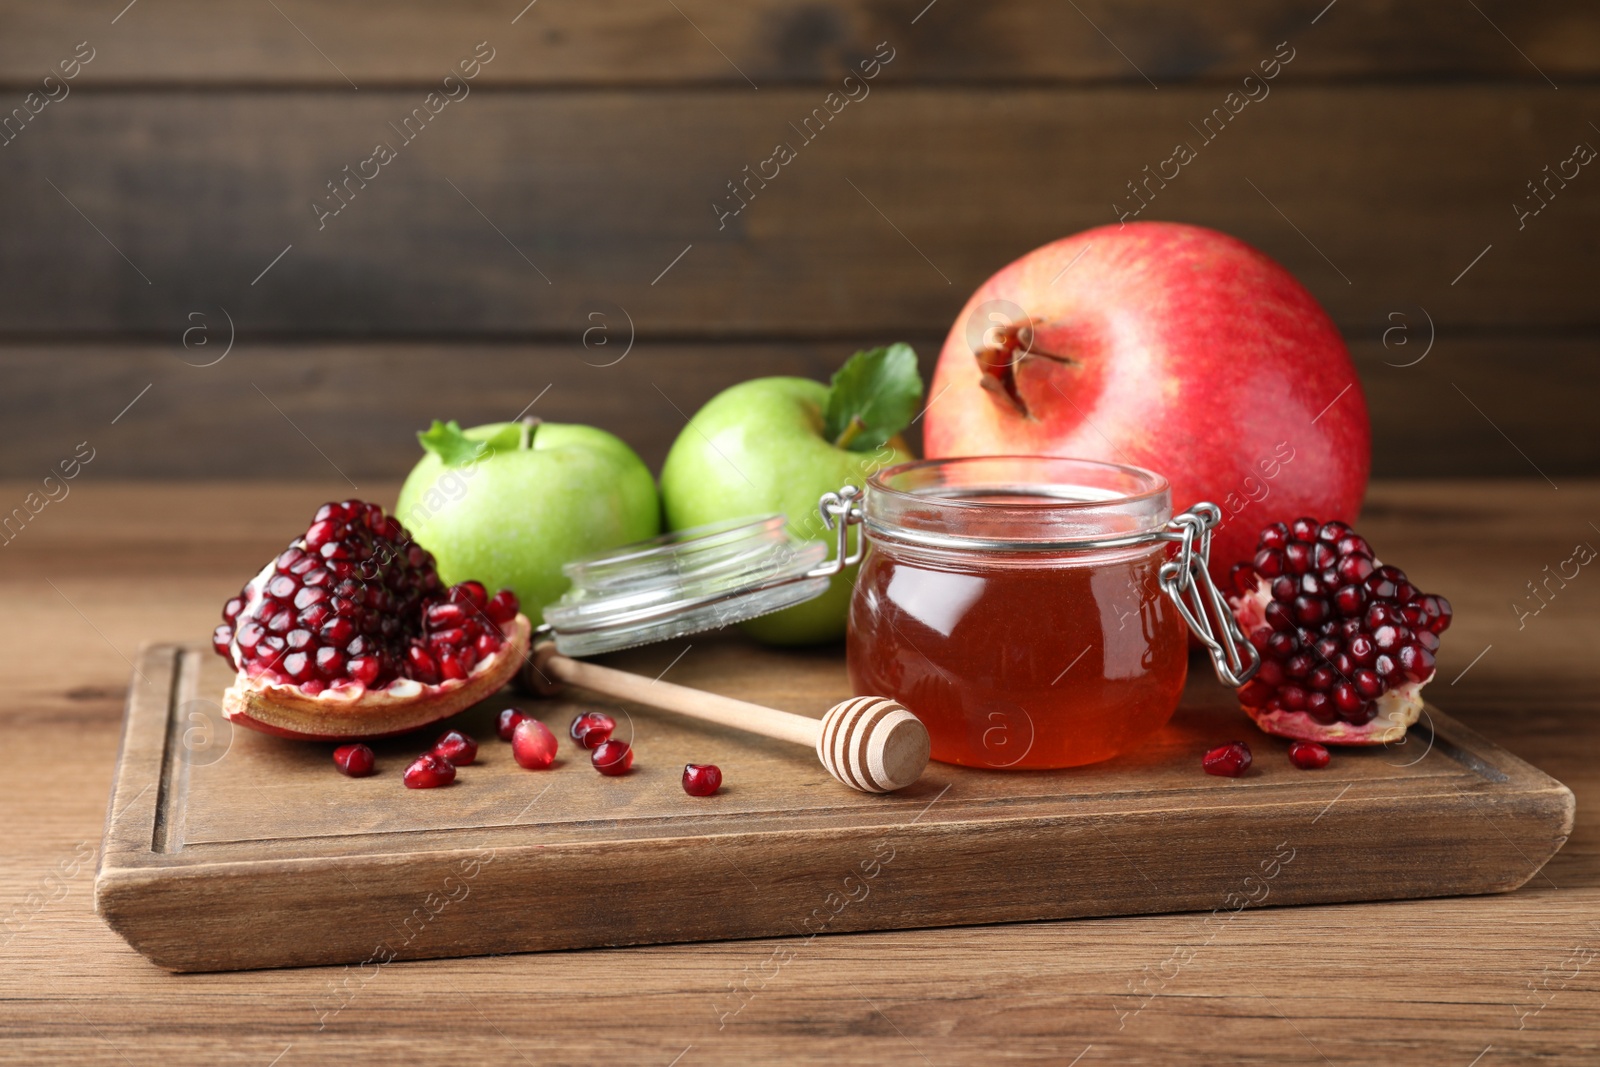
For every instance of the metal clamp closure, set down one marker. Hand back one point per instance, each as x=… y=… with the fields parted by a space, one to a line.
x=1187 y=581
x=839 y=512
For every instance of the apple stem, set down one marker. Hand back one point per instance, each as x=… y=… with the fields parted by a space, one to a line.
x=530 y=423
x=851 y=431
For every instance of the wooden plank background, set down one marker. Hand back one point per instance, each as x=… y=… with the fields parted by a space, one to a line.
x=145 y=211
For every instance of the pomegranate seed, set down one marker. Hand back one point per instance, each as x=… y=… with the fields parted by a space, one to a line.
x=1304 y=529
x=1268 y=562
x=470 y=593
x=612 y=758
x=429 y=771
x=355 y=760
x=502 y=607
x=508 y=721
x=1417 y=662
x=1332 y=532
x=592 y=729
x=533 y=746
x=444 y=614
x=456 y=747
x=1275 y=536
x=365 y=669
x=701 y=779
x=1297 y=557
x=1362 y=715
x=1243 y=578
x=1350 y=599
x=1321 y=708
x=1310 y=610
x=1229 y=760
x=1308 y=755
x=1255 y=693
x=421 y=666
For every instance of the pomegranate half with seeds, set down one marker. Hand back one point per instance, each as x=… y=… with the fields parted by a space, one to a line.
x=1346 y=642
x=349 y=633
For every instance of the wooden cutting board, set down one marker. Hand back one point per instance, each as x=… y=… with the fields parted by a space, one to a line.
x=226 y=849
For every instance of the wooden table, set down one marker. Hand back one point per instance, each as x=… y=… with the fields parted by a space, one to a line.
x=1486 y=980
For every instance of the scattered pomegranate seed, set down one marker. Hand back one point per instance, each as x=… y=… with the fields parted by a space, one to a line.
x=1229 y=760
x=701 y=779
x=508 y=721
x=355 y=760
x=612 y=758
x=533 y=746
x=456 y=747
x=592 y=728
x=1308 y=755
x=429 y=771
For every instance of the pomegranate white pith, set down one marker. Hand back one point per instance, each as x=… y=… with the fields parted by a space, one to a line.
x=1346 y=642
x=349 y=633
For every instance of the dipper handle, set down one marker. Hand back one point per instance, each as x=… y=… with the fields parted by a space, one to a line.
x=868 y=743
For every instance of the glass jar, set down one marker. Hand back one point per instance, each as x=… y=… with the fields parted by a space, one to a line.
x=1032 y=611
x=1016 y=605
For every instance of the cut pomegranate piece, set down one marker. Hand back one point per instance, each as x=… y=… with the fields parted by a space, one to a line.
x=508 y=721
x=612 y=758
x=592 y=729
x=1308 y=755
x=456 y=747
x=533 y=746
x=355 y=760
x=1346 y=646
x=1229 y=760
x=701 y=779
x=429 y=771
x=349 y=633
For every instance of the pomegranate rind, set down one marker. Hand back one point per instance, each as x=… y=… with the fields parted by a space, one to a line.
x=1398 y=709
x=351 y=712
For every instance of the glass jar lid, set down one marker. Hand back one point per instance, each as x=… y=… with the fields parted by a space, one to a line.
x=685 y=582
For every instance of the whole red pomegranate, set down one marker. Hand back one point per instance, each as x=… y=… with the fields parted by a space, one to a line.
x=1165 y=346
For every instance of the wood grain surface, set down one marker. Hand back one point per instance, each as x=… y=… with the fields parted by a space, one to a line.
x=512 y=213
x=359 y=405
x=1507 y=979
x=615 y=42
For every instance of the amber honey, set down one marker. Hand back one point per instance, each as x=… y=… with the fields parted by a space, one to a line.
x=988 y=606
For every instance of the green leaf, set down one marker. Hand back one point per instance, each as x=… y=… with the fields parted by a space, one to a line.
x=456 y=449
x=874 y=396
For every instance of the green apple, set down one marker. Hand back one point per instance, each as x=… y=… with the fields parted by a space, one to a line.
x=508 y=503
x=775 y=445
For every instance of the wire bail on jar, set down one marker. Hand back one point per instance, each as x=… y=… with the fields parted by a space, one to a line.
x=1187 y=580
x=839 y=512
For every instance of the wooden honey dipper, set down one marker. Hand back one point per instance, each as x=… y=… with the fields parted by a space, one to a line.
x=868 y=743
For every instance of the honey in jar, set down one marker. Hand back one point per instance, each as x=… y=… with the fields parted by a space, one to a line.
x=1013 y=604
